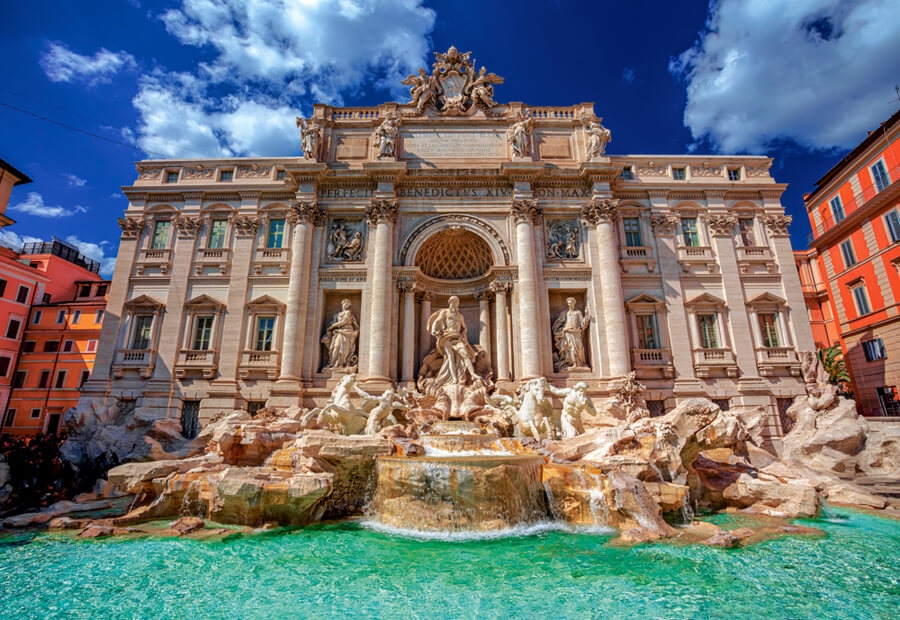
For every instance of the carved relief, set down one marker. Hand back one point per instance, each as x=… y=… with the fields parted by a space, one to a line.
x=650 y=169
x=721 y=224
x=706 y=170
x=131 y=227
x=187 y=225
x=563 y=240
x=346 y=240
x=600 y=210
x=197 y=172
x=245 y=225
x=663 y=224
x=777 y=225
x=254 y=171
x=525 y=211
x=453 y=88
x=149 y=174
x=758 y=171
x=382 y=210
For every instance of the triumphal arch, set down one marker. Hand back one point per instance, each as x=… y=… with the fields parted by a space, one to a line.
x=451 y=240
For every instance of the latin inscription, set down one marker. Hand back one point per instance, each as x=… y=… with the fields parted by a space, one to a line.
x=453 y=145
x=459 y=192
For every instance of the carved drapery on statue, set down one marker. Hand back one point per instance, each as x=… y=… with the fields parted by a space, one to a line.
x=453 y=87
x=340 y=340
x=568 y=339
x=310 y=137
x=385 y=138
x=598 y=137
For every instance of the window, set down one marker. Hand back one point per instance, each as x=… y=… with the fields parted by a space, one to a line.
x=890 y=400
x=140 y=337
x=22 y=294
x=190 y=418
x=848 y=254
x=745 y=227
x=61 y=379
x=35 y=414
x=893 y=225
x=837 y=209
x=879 y=175
x=632 y=231
x=647 y=333
x=101 y=289
x=60 y=317
x=689 y=232
x=36 y=317
x=46 y=298
x=84 y=290
x=68 y=345
x=861 y=299
x=706 y=324
x=29 y=345
x=12 y=328
x=19 y=378
x=734 y=174
x=202 y=333
x=265 y=332
x=280 y=175
x=627 y=173
x=874 y=349
x=679 y=174
x=44 y=379
x=172 y=177
x=161 y=235
x=217 y=231
x=76 y=316
x=4 y=365
x=91 y=346
x=226 y=175
x=768 y=328
x=85 y=375
x=98 y=318
x=10 y=417
x=275 y=237
x=2 y=287
x=51 y=346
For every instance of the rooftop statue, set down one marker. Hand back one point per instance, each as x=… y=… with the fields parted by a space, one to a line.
x=598 y=137
x=453 y=87
x=386 y=137
x=310 y=134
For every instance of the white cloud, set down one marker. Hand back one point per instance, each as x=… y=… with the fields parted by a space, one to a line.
x=96 y=251
x=275 y=57
x=74 y=181
x=819 y=72
x=63 y=65
x=15 y=240
x=34 y=205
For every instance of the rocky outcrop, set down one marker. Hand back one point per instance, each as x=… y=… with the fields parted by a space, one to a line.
x=831 y=439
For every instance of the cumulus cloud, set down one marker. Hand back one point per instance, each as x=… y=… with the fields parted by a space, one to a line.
x=34 y=205
x=818 y=72
x=14 y=240
x=63 y=65
x=275 y=57
x=96 y=251
x=74 y=180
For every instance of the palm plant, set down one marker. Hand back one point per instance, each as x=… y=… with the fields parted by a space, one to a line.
x=832 y=360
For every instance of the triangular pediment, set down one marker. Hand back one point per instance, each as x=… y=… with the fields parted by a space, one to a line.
x=767 y=298
x=644 y=299
x=204 y=301
x=706 y=299
x=144 y=301
x=266 y=300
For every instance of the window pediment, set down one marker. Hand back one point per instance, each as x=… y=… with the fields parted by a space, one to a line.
x=766 y=299
x=265 y=302
x=706 y=299
x=144 y=302
x=644 y=300
x=204 y=301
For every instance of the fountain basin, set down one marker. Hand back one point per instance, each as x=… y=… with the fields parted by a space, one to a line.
x=471 y=443
x=460 y=493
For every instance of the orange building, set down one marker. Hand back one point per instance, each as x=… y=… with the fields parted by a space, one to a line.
x=58 y=337
x=818 y=303
x=856 y=243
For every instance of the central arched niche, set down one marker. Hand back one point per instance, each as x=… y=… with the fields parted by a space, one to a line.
x=454 y=254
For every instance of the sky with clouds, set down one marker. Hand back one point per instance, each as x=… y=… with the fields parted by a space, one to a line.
x=95 y=86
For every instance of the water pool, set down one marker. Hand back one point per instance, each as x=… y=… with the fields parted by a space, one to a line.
x=348 y=570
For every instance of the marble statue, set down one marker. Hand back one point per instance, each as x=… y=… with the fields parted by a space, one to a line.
x=534 y=417
x=449 y=329
x=628 y=392
x=598 y=137
x=564 y=241
x=517 y=136
x=382 y=414
x=310 y=133
x=575 y=402
x=568 y=338
x=340 y=338
x=342 y=245
x=339 y=413
x=480 y=87
x=423 y=90
x=386 y=137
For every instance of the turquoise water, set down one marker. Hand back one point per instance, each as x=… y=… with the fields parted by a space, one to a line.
x=345 y=570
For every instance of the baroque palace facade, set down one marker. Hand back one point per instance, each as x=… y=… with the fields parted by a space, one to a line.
x=262 y=281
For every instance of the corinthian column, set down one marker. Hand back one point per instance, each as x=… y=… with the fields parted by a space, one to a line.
x=408 y=331
x=304 y=216
x=526 y=213
x=500 y=322
x=424 y=335
x=382 y=214
x=484 y=321
x=600 y=214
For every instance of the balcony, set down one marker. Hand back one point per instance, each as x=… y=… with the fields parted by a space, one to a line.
x=140 y=360
x=217 y=260
x=637 y=255
x=194 y=361
x=154 y=262
x=715 y=361
x=749 y=255
x=272 y=261
x=698 y=255
x=265 y=363
x=770 y=359
x=659 y=359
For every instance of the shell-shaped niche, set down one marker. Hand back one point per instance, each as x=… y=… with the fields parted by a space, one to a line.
x=454 y=254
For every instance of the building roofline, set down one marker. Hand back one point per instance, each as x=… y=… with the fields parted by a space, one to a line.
x=22 y=177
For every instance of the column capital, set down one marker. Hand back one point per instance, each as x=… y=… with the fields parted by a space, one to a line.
x=187 y=225
x=245 y=225
x=486 y=295
x=406 y=286
x=382 y=210
x=307 y=211
x=599 y=210
x=777 y=225
x=425 y=296
x=721 y=225
x=498 y=286
x=131 y=226
x=663 y=224
x=525 y=210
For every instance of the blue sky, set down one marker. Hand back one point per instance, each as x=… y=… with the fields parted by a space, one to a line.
x=91 y=87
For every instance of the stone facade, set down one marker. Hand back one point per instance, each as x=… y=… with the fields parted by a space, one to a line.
x=231 y=272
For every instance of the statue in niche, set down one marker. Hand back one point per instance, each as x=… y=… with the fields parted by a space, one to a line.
x=517 y=136
x=310 y=133
x=565 y=241
x=386 y=137
x=598 y=137
x=449 y=330
x=340 y=338
x=568 y=338
x=344 y=243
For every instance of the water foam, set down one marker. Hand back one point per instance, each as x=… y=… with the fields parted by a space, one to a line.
x=519 y=531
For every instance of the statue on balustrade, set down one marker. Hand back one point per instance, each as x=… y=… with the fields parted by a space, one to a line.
x=568 y=338
x=340 y=338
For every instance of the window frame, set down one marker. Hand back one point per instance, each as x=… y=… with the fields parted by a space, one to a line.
x=734 y=174
x=18 y=329
x=848 y=254
x=141 y=332
x=747 y=233
x=36 y=317
x=4 y=372
x=837 y=209
x=68 y=346
x=679 y=173
x=892 y=225
x=35 y=413
x=44 y=379
x=216 y=241
x=628 y=234
x=60 y=382
x=272 y=235
x=60 y=317
x=860 y=299
x=98 y=316
x=880 y=178
x=22 y=294
x=695 y=239
x=874 y=349
x=76 y=316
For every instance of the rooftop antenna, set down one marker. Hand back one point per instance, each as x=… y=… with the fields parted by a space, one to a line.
x=896 y=90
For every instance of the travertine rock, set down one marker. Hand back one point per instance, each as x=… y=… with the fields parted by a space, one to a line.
x=829 y=439
x=186 y=525
x=775 y=499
